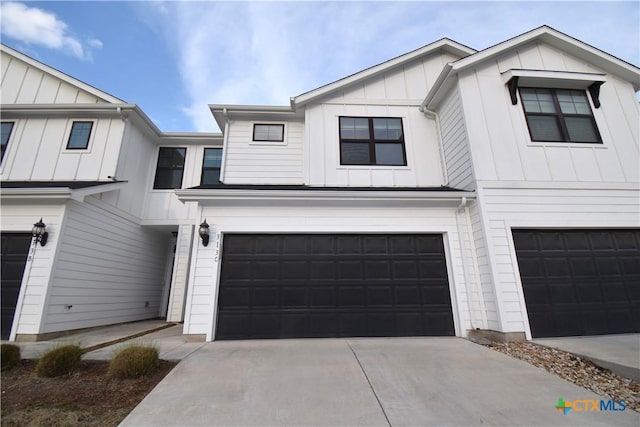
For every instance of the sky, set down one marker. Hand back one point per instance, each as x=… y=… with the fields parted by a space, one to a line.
x=173 y=58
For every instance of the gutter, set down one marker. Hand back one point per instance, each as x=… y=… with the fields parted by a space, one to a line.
x=197 y=195
x=225 y=144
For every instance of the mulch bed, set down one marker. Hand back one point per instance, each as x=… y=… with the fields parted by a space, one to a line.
x=576 y=370
x=88 y=397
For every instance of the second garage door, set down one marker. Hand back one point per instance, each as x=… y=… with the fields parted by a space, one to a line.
x=580 y=282
x=316 y=285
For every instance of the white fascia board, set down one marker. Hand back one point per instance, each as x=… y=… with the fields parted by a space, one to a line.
x=80 y=193
x=204 y=195
x=34 y=194
x=443 y=44
x=64 y=110
x=60 y=75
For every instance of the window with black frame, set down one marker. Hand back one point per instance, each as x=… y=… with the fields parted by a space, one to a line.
x=372 y=141
x=79 y=136
x=7 y=127
x=559 y=115
x=211 y=166
x=170 y=168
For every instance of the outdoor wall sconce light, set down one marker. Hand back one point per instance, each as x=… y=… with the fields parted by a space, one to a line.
x=39 y=232
x=204 y=232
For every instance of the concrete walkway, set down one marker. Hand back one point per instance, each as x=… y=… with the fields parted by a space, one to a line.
x=171 y=343
x=618 y=353
x=357 y=382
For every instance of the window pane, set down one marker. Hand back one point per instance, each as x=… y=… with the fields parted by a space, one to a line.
x=544 y=128
x=581 y=129
x=80 y=132
x=354 y=128
x=354 y=153
x=268 y=132
x=573 y=102
x=388 y=129
x=212 y=157
x=537 y=100
x=389 y=154
x=6 y=133
x=210 y=176
x=170 y=168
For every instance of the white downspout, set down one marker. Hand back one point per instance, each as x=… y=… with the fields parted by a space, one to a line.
x=463 y=250
x=225 y=140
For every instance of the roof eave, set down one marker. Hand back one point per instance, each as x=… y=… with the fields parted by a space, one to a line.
x=442 y=44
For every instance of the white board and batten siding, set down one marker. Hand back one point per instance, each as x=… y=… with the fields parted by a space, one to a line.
x=501 y=146
x=249 y=162
x=397 y=93
x=37 y=151
x=108 y=270
x=37 y=273
x=23 y=83
x=508 y=209
x=203 y=282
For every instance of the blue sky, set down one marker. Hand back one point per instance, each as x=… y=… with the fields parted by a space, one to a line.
x=173 y=58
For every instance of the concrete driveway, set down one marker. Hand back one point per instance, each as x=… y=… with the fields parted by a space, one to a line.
x=358 y=382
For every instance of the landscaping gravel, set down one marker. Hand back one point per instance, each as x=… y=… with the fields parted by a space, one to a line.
x=579 y=371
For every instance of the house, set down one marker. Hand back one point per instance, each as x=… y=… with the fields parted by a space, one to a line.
x=447 y=191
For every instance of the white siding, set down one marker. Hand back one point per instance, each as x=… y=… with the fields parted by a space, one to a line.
x=108 y=270
x=37 y=151
x=455 y=143
x=249 y=162
x=37 y=275
x=24 y=84
x=321 y=219
x=397 y=93
x=163 y=206
x=504 y=209
x=499 y=139
x=180 y=276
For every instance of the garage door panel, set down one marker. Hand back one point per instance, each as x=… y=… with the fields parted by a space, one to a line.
x=580 y=282
x=334 y=286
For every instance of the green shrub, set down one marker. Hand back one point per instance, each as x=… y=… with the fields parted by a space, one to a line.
x=59 y=361
x=134 y=361
x=10 y=356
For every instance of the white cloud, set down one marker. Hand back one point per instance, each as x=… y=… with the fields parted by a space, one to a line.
x=39 y=27
x=264 y=53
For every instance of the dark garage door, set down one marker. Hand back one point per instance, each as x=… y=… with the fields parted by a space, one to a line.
x=15 y=248
x=580 y=282
x=293 y=286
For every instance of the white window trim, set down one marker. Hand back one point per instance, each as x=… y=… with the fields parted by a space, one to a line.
x=279 y=143
x=67 y=135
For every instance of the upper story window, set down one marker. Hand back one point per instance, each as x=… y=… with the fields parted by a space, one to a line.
x=559 y=115
x=372 y=141
x=211 y=166
x=79 y=136
x=170 y=168
x=268 y=132
x=7 y=127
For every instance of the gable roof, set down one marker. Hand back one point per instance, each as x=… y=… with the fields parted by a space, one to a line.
x=445 y=44
x=544 y=34
x=60 y=75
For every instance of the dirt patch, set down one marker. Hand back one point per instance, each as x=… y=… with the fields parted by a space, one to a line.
x=88 y=397
x=579 y=371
